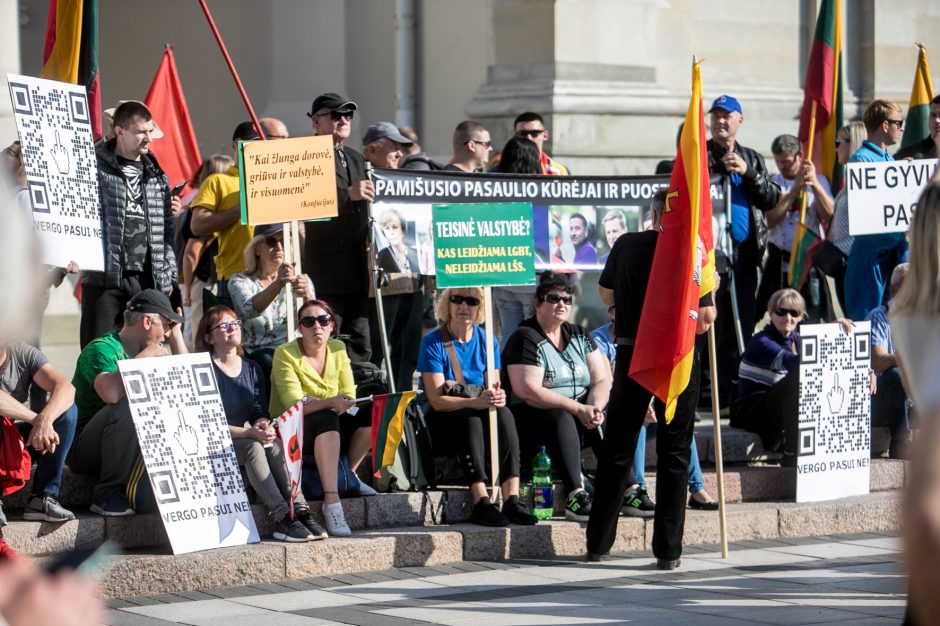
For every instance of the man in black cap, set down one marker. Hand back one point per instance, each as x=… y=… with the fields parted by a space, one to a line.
x=106 y=443
x=335 y=250
x=384 y=146
x=752 y=194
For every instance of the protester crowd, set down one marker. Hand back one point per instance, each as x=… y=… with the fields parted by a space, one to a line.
x=185 y=274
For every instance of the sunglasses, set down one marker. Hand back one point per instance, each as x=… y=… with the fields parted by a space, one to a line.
x=485 y=144
x=555 y=298
x=309 y=320
x=535 y=132
x=470 y=300
x=227 y=326
x=781 y=312
x=898 y=123
x=273 y=242
x=338 y=115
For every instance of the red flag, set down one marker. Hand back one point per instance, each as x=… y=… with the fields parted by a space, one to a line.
x=683 y=267
x=177 y=150
x=70 y=54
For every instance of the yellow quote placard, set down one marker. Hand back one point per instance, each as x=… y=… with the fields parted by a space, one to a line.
x=289 y=179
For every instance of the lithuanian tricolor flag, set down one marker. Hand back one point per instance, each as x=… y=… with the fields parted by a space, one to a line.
x=71 y=51
x=683 y=267
x=916 y=126
x=388 y=426
x=820 y=120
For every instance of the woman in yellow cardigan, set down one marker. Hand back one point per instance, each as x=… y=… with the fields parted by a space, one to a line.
x=315 y=368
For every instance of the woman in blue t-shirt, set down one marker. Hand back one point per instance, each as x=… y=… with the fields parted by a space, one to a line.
x=258 y=449
x=558 y=384
x=452 y=362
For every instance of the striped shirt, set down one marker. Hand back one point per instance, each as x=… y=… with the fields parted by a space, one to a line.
x=769 y=357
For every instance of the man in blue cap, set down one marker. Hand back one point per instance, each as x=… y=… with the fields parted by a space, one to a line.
x=752 y=193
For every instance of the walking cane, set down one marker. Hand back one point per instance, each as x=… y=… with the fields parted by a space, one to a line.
x=377 y=276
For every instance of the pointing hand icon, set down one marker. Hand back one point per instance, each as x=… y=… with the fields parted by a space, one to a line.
x=835 y=397
x=60 y=155
x=185 y=436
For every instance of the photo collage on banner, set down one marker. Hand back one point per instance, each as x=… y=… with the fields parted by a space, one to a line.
x=185 y=442
x=54 y=127
x=834 y=439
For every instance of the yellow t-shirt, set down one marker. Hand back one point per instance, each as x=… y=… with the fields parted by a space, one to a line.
x=218 y=193
x=292 y=378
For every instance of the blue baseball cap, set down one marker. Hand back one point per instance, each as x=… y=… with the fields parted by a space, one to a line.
x=726 y=103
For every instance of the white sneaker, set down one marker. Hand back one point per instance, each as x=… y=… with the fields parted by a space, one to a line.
x=335 y=520
x=366 y=490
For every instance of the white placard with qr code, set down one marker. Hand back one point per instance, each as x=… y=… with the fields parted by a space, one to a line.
x=186 y=445
x=834 y=437
x=54 y=127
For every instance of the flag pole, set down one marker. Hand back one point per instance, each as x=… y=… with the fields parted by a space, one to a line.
x=808 y=155
x=719 y=462
x=231 y=67
x=490 y=360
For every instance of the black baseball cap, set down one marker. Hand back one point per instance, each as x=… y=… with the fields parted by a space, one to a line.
x=331 y=102
x=153 y=301
x=245 y=132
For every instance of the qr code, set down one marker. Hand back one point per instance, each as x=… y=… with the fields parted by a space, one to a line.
x=834 y=392
x=183 y=432
x=55 y=133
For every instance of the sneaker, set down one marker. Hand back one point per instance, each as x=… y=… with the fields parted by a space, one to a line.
x=336 y=520
x=485 y=513
x=305 y=517
x=291 y=530
x=46 y=509
x=668 y=564
x=517 y=513
x=115 y=506
x=578 y=507
x=366 y=490
x=638 y=504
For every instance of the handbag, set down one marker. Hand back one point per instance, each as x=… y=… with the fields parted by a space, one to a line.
x=347 y=483
x=830 y=260
x=458 y=388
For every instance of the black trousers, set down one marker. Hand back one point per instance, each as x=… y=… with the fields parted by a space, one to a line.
x=466 y=434
x=729 y=357
x=625 y=414
x=352 y=320
x=563 y=436
x=103 y=307
x=774 y=415
x=774 y=277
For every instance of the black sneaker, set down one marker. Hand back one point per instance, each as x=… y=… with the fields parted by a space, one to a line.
x=578 y=507
x=638 y=504
x=115 y=506
x=485 y=513
x=292 y=531
x=668 y=564
x=517 y=513
x=305 y=517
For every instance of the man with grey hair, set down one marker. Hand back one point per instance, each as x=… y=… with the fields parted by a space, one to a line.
x=383 y=145
x=472 y=147
x=795 y=176
x=890 y=405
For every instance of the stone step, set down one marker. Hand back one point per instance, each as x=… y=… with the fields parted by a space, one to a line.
x=137 y=573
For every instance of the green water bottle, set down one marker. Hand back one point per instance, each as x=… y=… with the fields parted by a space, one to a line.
x=542 y=485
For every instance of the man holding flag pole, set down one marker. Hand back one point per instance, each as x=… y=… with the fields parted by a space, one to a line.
x=655 y=338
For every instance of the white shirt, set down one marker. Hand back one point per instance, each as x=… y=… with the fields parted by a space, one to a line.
x=782 y=234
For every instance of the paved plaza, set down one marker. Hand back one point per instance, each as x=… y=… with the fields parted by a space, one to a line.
x=853 y=579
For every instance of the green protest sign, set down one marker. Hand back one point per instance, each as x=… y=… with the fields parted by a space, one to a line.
x=483 y=245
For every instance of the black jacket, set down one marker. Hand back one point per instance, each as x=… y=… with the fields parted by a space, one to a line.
x=924 y=149
x=335 y=250
x=112 y=190
x=762 y=194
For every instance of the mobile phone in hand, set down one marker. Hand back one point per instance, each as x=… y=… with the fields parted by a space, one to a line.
x=178 y=189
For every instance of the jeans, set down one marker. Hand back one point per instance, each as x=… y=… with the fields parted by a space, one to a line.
x=696 y=481
x=49 y=466
x=267 y=474
x=512 y=306
x=889 y=406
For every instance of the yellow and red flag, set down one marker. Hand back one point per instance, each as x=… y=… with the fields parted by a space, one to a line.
x=683 y=267
x=70 y=54
x=177 y=150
